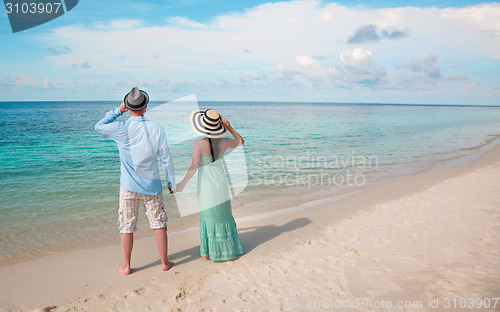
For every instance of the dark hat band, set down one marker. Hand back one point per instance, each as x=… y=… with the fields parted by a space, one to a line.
x=199 y=124
x=209 y=121
x=137 y=106
x=206 y=126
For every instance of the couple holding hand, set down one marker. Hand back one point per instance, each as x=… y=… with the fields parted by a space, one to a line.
x=140 y=143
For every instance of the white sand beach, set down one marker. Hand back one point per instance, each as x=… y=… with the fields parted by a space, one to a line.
x=429 y=242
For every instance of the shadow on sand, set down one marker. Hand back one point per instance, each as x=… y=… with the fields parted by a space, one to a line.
x=254 y=236
x=250 y=237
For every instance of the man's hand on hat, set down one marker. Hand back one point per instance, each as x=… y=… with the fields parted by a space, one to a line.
x=123 y=108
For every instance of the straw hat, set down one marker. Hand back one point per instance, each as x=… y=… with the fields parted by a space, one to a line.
x=208 y=123
x=136 y=99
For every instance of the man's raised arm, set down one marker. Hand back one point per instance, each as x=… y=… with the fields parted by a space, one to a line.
x=105 y=126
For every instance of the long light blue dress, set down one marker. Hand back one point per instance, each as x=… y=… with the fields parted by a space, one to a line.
x=218 y=234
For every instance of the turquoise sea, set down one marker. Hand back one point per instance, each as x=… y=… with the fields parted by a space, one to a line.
x=59 y=178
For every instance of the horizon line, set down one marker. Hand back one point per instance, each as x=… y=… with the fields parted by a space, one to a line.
x=270 y=102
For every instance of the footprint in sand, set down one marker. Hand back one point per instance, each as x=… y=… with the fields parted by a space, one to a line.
x=181 y=294
x=133 y=293
x=244 y=296
x=359 y=253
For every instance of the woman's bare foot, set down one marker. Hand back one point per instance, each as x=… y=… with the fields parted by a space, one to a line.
x=123 y=270
x=167 y=267
x=205 y=257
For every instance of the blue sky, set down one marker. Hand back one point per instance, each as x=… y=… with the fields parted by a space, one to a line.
x=428 y=52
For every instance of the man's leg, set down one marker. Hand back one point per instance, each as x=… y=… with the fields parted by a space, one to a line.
x=162 y=243
x=127 y=223
x=127 y=244
x=155 y=210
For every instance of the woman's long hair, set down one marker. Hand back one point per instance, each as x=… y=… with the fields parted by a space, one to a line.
x=215 y=154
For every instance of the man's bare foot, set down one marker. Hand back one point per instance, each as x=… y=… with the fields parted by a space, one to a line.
x=123 y=270
x=167 y=267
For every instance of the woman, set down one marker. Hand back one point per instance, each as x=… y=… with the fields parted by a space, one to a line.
x=219 y=238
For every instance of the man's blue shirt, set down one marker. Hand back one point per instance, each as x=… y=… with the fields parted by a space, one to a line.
x=140 y=142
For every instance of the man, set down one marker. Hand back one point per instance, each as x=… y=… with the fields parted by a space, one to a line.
x=140 y=142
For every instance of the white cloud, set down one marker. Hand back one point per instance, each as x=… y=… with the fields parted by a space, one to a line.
x=304 y=60
x=182 y=22
x=21 y=80
x=372 y=33
x=277 y=45
x=301 y=64
x=418 y=75
x=55 y=83
x=274 y=32
x=359 y=67
x=247 y=75
x=485 y=17
x=18 y=81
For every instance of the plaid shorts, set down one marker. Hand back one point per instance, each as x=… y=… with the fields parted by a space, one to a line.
x=129 y=211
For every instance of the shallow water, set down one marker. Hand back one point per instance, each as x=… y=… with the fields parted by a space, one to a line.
x=59 y=179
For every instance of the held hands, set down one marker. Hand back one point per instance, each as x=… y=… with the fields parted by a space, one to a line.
x=123 y=108
x=180 y=187
x=172 y=191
